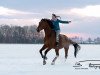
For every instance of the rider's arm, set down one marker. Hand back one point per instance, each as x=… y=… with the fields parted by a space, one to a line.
x=64 y=21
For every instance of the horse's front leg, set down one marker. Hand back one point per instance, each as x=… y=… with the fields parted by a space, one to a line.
x=43 y=48
x=45 y=58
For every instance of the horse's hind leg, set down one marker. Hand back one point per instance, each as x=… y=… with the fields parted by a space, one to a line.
x=57 y=55
x=43 y=48
x=66 y=51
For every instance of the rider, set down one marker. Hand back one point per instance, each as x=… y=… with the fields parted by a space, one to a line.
x=56 y=27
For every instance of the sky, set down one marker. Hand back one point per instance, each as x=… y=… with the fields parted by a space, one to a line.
x=84 y=14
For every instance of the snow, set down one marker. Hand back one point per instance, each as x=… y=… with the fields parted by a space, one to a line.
x=24 y=59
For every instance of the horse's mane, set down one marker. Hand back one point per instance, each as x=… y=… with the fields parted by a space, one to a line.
x=49 y=22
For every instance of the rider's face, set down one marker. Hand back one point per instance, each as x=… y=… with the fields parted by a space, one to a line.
x=54 y=18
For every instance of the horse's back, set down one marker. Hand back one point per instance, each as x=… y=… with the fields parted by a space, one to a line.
x=63 y=40
x=62 y=36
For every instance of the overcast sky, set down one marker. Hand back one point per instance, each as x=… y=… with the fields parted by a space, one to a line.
x=84 y=14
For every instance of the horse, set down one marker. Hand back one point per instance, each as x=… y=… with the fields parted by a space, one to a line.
x=50 y=41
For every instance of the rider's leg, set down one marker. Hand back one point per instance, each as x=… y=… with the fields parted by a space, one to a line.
x=57 y=36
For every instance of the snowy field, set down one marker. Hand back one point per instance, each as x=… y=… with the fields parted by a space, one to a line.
x=24 y=59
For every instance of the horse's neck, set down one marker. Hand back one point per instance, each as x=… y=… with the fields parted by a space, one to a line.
x=48 y=32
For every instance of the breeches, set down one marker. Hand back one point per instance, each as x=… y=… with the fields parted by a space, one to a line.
x=57 y=35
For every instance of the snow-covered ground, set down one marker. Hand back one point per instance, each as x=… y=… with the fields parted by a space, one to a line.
x=24 y=59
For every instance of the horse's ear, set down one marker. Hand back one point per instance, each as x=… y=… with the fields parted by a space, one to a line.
x=42 y=19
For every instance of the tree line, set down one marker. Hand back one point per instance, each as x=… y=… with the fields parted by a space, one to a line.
x=18 y=34
x=29 y=35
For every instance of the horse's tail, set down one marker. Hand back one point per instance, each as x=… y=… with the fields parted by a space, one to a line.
x=76 y=47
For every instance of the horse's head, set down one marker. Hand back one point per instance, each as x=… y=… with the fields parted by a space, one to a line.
x=42 y=25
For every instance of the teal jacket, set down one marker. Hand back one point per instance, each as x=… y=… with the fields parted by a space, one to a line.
x=56 y=24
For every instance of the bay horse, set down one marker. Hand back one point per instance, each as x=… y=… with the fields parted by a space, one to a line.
x=50 y=41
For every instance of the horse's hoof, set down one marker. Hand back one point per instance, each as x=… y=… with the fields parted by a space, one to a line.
x=44 y=62
x=53 y=63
